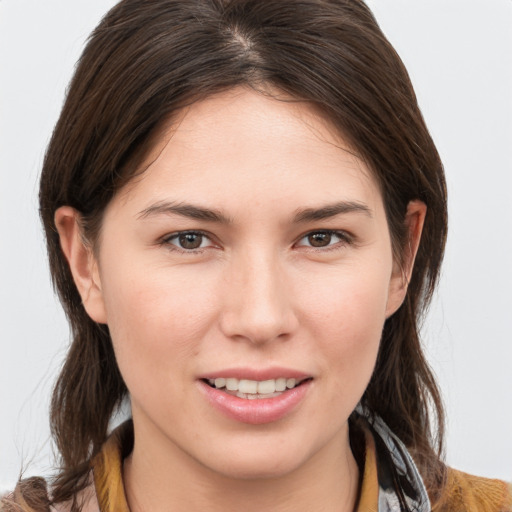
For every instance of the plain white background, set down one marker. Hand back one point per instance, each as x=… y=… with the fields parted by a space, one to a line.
x=458 y=53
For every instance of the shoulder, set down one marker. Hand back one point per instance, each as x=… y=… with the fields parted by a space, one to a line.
x=468 y=493
x=30 y=495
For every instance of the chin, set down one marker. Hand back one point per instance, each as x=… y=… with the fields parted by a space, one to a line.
x=257 y=467
x=260 y=457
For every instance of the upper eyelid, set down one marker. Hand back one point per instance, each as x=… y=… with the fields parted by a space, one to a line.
x=166 y=240
x=174 y=234
x=345 y=235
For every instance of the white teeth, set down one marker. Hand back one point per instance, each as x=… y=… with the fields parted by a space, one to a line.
x=266 y=387
x=220 y=382
x=232 y=384
x=290 y=383
x=250 y=396
x=280 y=384
x=253 y=388
x=248 y=386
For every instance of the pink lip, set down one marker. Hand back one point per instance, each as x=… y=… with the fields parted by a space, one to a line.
x=259 y=410
x=256 y=374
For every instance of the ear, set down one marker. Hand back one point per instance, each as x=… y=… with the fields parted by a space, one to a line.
x=414 y=220
x=82 y=262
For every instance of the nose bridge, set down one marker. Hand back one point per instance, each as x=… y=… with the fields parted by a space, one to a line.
x=257 y=305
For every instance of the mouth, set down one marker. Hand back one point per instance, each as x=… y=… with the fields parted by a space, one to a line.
x=255 y=389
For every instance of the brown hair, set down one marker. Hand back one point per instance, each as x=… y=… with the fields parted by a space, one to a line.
x=147 y=60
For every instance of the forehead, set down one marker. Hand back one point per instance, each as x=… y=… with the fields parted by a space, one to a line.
x=242 y=144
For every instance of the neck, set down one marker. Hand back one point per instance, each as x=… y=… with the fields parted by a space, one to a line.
x=160 y=480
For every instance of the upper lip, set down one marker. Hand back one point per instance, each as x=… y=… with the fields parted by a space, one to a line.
x=258 y=374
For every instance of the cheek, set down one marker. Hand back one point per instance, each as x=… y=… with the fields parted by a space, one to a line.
x=155 y=318
x=346 y=322
x=350 y=301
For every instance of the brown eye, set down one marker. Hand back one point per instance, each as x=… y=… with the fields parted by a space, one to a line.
x=190 y=240
x=325 y=240
x=319 y=239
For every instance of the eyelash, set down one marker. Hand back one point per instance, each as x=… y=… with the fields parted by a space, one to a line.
x=344 y=240
x=167 y=241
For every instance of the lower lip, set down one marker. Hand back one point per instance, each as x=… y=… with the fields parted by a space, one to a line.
x=259 y=410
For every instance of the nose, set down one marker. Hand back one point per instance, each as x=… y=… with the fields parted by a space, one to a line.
x=258 y=304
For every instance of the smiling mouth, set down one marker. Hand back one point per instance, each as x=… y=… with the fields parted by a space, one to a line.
x=254 y=389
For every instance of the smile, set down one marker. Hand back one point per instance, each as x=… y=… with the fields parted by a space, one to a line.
x=253 y=389
x=267 y=397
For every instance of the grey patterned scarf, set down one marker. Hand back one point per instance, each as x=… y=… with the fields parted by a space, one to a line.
x=401 y=487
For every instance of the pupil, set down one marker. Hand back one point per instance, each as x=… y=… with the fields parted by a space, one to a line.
x=190 y=240
x=319 y=239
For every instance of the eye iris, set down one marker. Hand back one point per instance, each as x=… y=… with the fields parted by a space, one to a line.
x=319 y=239
x=190 y=240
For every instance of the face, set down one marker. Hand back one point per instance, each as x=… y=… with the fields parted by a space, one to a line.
x=245 y=278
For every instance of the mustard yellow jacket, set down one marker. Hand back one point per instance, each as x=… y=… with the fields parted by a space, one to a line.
x=463 y=492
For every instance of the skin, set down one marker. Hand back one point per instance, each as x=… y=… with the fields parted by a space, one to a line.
x=255 y=294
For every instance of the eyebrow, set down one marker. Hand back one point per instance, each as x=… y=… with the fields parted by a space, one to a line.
x=331 y=210
x=211 y=215
x=185 y=210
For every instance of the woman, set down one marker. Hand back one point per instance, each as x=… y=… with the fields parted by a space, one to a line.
x=245 y=217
